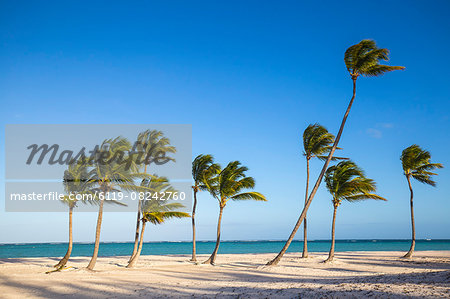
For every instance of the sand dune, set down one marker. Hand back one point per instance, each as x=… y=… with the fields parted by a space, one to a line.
x=353 y=274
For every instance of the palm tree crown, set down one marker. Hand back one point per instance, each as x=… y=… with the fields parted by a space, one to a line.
x=111 y=173
x=152 y=143
x=346 y=181
x=316 y=141
x=416 y=163
x=364 y=59
x=76 y=180
x=203 y=170
x=157 y=211
x=231 y=181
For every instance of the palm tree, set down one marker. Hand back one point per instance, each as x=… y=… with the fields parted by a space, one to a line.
x=203 y=169
x=416 y=164
x=76 y=183
x=111 y=175
x=346 y=181
x=316 y=144
x=156 y=211
x=229 y=184
x=149 y=144
x=361 y=59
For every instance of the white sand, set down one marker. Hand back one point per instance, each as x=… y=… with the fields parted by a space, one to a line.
x=353 y=274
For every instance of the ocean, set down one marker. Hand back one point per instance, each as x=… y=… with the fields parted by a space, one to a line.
x=206 y=247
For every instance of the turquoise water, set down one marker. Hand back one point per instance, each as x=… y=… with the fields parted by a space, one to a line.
x=159 y=248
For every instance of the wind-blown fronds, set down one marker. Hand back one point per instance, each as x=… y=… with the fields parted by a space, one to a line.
x=364 y=59
x=155 y=185
x=249 y=196
x=416 y=163
x=77 y=181
x=204 y=171
x=150 y=145
x=346 y=181
x=157 y=212
x=231 y=181
x=317 y=142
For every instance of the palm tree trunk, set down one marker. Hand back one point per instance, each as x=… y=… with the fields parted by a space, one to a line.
x=135 y=258
x=136 y=236
x=65 y=259
x=194 y=257
x=277 y=259
x=138 y=222
x=333 y=226
x=212 y=258
x=413 y=227
x=97 y=236
x=305 y=237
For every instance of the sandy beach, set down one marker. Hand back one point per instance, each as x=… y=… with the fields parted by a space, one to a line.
x=352 y=274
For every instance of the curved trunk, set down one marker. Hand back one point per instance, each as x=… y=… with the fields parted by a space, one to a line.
x=413 y=227
x=135 y=258
x=277 y=259
x=305 y=236
x=138 y=222
x=136 y=236
x=97 y=236
x=194 y=257
x=65 y=259
x=212 y=258
x=331 y=253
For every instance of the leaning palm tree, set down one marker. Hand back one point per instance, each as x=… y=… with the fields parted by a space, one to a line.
x=346 y=181
x=112 y=175
x=156 y=211
x=231 y=184
x=76 y=184
x=361 y=59
x=203 y=170
x=149 y=145
x=317 y=143
x=416 y=164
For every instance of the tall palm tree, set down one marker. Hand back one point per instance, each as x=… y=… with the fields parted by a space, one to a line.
x=361 y=59
x=156 y=211
x=231 y=184
x=149 y=145
x=76 y=182
x=317 y=143
x=346 y=181
x=203 y=170
x=110 y=176
x=416 y=164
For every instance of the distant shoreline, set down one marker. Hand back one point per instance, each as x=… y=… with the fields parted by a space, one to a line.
x=81 y=249
x=265 y=254
x=223 y=241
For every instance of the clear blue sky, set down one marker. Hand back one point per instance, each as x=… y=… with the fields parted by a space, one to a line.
x=249 y=76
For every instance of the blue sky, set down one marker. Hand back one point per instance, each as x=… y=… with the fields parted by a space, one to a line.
x=249 y=76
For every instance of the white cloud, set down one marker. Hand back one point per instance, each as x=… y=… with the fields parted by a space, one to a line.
x=385 y=125
x=374 y=133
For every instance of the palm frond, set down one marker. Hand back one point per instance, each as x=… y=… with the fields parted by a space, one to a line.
x=378 y=70
x=364 y=196
x=249 y=196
